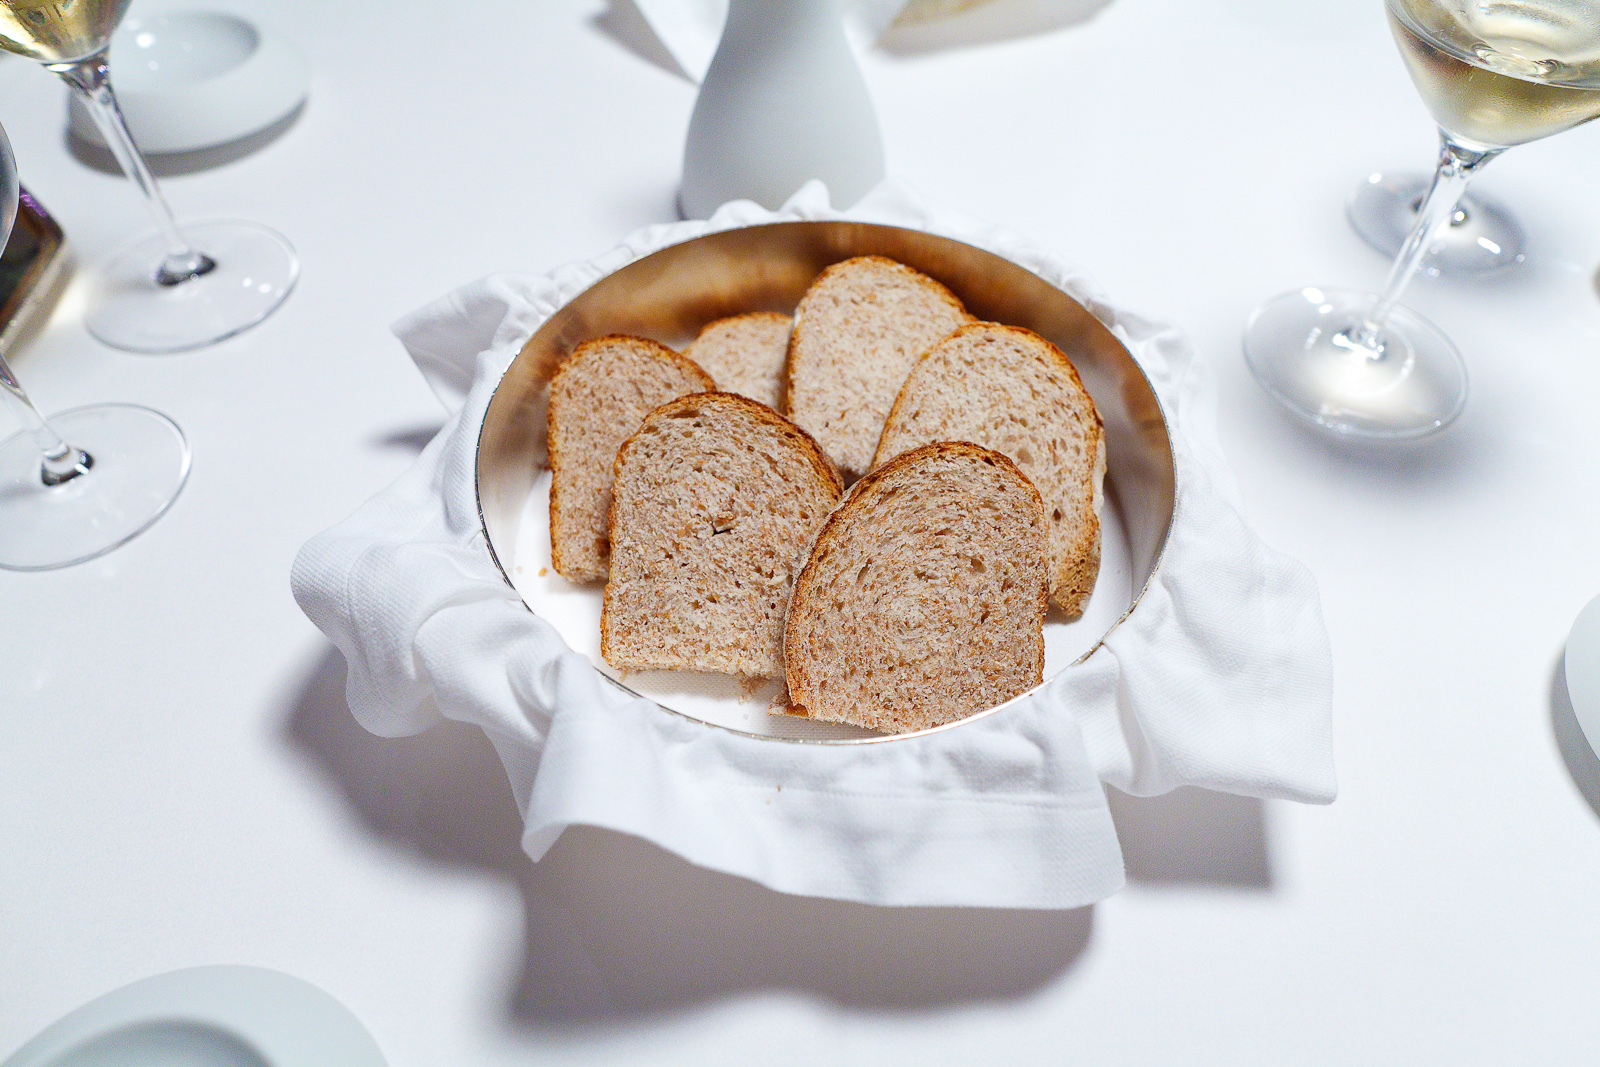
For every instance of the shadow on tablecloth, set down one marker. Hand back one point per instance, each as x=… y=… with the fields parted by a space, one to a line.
x=615 y=927
x=1193 y=837
x=172 y=164
x=624 y=23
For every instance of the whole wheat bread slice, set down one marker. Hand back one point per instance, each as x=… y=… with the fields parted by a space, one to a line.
x=715 y=504
x=1009 y=389
x=923 y=601
x=598 y=397
x=745 y=354
x=858 y=330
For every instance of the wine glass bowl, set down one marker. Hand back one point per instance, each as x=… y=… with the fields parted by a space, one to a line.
x=59 y=31
x=1494 y=76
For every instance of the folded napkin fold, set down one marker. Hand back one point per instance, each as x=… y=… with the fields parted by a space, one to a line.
x=1220 y=677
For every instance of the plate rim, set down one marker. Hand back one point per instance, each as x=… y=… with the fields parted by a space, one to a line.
x=190 y=995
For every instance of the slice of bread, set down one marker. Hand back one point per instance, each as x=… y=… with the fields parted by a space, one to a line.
x=923 y=601
x=716 y=501
x=745 y=354
x=1009 y=389
x=598 y=397
x=857 y=333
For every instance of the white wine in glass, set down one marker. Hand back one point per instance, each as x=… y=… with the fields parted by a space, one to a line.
x=176 y=289
x=1495 y=74
x=1500 y=74
x=1483 y=105
x=59 y=31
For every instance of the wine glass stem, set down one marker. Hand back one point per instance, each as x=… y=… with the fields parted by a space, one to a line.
x=90 y=78
x=1457 y=165
x=59 y=461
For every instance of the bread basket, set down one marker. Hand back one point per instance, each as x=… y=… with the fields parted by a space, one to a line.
x=670 y=294
x=1203 y=660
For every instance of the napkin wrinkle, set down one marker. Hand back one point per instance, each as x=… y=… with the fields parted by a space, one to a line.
x=806 y=839
x=1219 y=677
x=435 y=334
x=1210 y=613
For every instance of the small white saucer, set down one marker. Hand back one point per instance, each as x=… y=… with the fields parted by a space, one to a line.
x=222 y=1016
x=1583 y=671
x=195 y=79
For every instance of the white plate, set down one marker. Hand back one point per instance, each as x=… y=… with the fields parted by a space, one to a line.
x=1583 y=671
x=224 y=1016
x=195 y=79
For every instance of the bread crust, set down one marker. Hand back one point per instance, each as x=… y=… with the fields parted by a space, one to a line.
x=820 y=463
x=656 y=643
x=757 y=368
x=568 y=557
x=887 y=711
x=1075 y=534
x=848 y=428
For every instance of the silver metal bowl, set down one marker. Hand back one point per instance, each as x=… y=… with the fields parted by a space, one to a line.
x=669 y=295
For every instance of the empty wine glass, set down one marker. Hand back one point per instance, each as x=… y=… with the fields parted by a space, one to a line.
x=61 y=502
x=176 y=289
x=1494 y=75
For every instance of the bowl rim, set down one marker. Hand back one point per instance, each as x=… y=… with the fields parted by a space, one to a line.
x=1158 y=557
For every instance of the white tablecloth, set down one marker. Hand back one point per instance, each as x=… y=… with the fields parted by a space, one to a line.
x=182 y=784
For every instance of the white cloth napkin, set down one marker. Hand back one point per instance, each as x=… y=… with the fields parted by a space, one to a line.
x=1219 y=678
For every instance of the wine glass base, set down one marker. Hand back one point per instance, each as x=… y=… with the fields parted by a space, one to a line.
x=1298 y=346
x=140 y=462
x=128 y=309
x=1482 y=237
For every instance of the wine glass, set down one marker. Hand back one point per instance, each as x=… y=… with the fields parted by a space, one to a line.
x=1494 y=75
x=1483 y=235
x=161 y=293
x=64 y=503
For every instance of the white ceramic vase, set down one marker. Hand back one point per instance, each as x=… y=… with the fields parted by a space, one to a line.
x=783 y=102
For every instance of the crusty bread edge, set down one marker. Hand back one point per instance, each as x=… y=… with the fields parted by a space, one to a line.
x=819 y=462
x=834 y=268
x=740 y=315
x=1071 y=586
x=796 y=679
x=762 y=412
x=552 y=418
x=783 y=373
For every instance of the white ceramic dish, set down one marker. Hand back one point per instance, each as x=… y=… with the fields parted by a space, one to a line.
x=223 y=1016
x=188 y=80
x=1583 y=671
